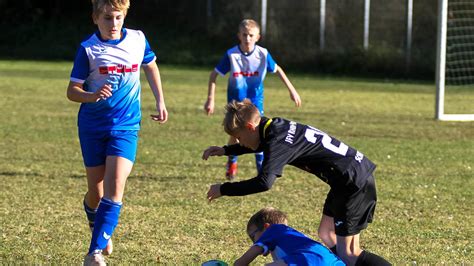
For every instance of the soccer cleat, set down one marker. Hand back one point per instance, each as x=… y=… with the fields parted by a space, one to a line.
x=231 y=172
x=94 y=259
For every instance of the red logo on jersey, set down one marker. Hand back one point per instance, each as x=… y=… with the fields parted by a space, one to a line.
x=245 y=74
x=114 y=69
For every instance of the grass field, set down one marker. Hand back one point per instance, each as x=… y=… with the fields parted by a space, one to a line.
x=425 y=175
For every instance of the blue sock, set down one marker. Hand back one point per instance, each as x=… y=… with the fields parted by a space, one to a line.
x=232 y=158
x=90 y=213
x=105 y=222
x=259 y=161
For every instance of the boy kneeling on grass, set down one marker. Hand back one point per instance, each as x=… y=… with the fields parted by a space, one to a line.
x=350 y=203
x=269 y=231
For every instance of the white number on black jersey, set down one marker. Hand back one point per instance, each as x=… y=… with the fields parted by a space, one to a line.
x=311 y=136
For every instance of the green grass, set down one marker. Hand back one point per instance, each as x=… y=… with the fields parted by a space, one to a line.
x=424 y=176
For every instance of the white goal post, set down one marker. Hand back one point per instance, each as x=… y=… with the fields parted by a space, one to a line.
x=445 y=60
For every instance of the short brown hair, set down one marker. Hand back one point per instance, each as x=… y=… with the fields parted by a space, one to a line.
x=268 y=215
x=237 y=114
x=98 y=6
x=248 y=23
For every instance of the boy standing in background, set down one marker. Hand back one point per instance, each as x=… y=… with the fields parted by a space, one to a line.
x=247 y=64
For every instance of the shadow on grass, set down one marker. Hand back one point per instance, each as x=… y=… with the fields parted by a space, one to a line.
x=77 y=176
x=19 y=173
x=157 y=177
x=140 y=176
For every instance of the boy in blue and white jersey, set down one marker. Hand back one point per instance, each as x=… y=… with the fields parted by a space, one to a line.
x=247 y=64
x=269 y=231
x=105 y=79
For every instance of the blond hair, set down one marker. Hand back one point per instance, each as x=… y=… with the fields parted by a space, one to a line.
x=238 y=114
x=268 y=215
x=248 y=23
x=98 y=6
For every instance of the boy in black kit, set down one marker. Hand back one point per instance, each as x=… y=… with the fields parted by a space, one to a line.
x=351 y=201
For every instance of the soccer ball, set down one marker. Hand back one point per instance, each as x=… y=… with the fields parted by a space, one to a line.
x=214 y=263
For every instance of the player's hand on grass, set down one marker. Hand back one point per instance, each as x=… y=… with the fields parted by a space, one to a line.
x=162 y=115
x=214 y=192
x=213 y=151
x=102 y=93
x=209 y=107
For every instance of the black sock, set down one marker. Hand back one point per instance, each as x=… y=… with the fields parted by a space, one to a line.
x=367 y=258
x=334 y=250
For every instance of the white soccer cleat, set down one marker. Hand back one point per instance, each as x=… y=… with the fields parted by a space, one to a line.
x=94 y=259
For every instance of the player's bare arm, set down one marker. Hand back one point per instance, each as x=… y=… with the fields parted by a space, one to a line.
x=213 y=151
x=209 y=104
x=249 y=256
x=295 y=97
x=76 y=93
x=152 y=73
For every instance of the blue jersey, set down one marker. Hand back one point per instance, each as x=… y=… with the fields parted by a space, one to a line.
x=293 y=247
x=117 y=63
x=247 y=72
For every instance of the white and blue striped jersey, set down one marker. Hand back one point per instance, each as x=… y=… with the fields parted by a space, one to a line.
x=117 y=63
x=247 y=72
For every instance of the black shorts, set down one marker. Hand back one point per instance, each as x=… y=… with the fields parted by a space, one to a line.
x=351 y=211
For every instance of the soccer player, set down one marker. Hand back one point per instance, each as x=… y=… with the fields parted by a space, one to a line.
x=351 y=201
x=247 y=64
x=269 y=231
x=105 y=79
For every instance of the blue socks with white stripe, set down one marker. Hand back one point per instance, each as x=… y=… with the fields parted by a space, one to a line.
x=106 y=220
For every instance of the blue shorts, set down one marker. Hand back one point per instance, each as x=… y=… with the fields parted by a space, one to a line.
x=96 y=146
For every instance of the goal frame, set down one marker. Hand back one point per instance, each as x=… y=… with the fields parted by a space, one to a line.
x=441 y=67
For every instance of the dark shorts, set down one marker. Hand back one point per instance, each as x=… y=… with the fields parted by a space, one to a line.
x=351 y=211
x=96 y=146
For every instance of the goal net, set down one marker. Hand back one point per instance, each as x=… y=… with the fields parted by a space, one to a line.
x=455 y=61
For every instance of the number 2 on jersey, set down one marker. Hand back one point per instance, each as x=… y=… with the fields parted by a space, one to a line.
x=311 y=134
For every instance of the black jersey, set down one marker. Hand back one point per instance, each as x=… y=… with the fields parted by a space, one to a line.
x=286 y=142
